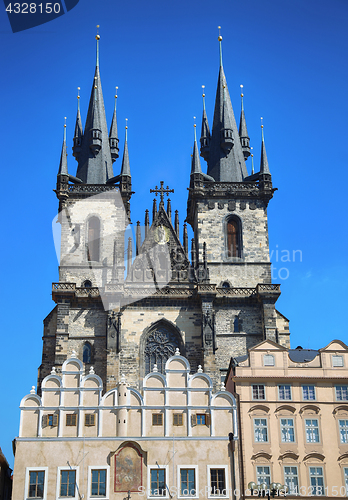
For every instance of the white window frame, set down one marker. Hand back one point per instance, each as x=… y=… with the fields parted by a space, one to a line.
x=279 y=389
x=345 y=478
x=252 y=392
x=227 y=486
x=309 y=398
x=345 y=428
x=59 y=470
x=89 y=481
x=314 y=476
x=27 y=475
x=270 y=358
x=264 y=427
x=291 y=475
x=149 y=469
x=257 y=475
x=195 y=467
x=285 y=427
x=309 y=427
x=337 y=361
x=340 y=387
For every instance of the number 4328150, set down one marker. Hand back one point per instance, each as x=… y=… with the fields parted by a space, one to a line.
x=33 y=8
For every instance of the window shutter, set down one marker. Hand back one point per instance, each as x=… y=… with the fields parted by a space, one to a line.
x=207 y=419
x=193 y=420
x=55 y=420
x=44 y=420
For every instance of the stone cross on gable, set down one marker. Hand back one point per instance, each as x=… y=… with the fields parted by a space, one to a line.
x=162 y=191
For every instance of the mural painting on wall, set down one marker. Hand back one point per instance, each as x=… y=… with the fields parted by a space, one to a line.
x=128 y=469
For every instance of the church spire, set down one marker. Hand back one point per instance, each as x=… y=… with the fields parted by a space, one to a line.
x=264 y=168
x=78 y=129
x=196 y=162
x=113 y=136
x=63 y=165
x=205 y=133
x=226 y=160
x=243 y=131
x=125 y=170
x=94 y=162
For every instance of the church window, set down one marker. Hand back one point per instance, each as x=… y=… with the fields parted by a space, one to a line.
x=236 y=325
x=160 y=345
x=93 y=246
x=87 y=284
x=71 y=419
x=234 y=249
x=157 y=419
x=87 y=353
x=226 y=285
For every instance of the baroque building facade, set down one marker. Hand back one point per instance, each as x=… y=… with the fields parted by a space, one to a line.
x=136 y=347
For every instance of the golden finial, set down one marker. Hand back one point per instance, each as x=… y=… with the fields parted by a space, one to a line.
x=252 y=161
x=78 y=92
x=116 y=92
x=64 y=121
x=126 y=123
x=220 y=37
x=194 y=122
x=261 y=122
x=203 y=87
x=241 y=88
x=97 y=35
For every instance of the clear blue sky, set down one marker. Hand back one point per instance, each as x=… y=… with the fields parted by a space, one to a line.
x=291 y=57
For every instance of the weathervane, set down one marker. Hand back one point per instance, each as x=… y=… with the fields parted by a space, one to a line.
x=162 y=191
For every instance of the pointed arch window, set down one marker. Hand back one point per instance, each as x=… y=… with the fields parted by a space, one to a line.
x=233 y=238
x=160 y=346
x=87 y=353
x=93 y=245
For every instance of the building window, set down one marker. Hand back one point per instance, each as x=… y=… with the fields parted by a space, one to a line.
x=177 y=419
x=233 y=238
x=157 y=419
x=312 y=430
x=93 y=239
x=71 y=419
x=258 y=392
x=260 y=430
x=308 y=392
x=36 y=484
x=316 y=478
x=345 y=472
x=89 y=419
x=291 y=479
x=87 y=353
x=268 y=360
x=67 y=483
x=337 y=361
x=341 y=392
x=98 y=483
x=343 y=425
x=284 y=392
x=158 y=482
x=50 y=420
x=200 y=419
x=188 y=482
x=287 y=430
x=263 y=475
x=217 y=482
x=160 y=345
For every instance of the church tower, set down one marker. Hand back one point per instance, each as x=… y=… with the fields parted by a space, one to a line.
x=126 y=307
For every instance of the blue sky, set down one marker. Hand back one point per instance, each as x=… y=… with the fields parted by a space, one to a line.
x=291 y=57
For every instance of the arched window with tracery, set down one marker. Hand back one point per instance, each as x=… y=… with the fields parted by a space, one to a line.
x=160 y=345
x=93 y=244
x=87 y=353
x=234 y=239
